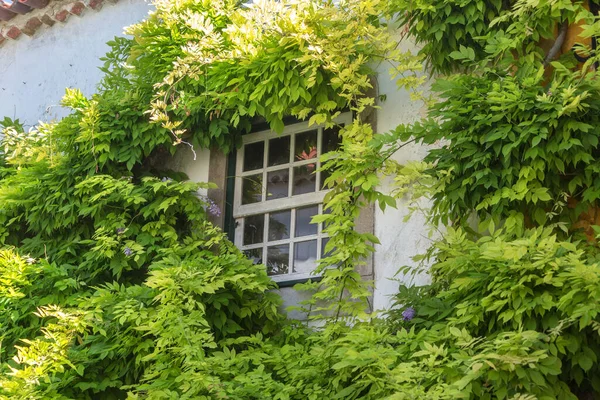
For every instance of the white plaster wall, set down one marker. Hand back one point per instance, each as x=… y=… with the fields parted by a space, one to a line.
x=36 y=70
x=400 y=241
x=196 y=169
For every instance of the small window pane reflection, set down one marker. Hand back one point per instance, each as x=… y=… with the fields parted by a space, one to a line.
x=254 y=154
x=324 y=175
x=279 y=225
x=303 y=217
x=304 y=179
x=277 y=184
x=324 y=252
x=305 y=256
x=331 y=142
x=306 y=146
x=278 y=259
x=252 y=189
x=326 y=211
x=255 y=255
x=253 y=229
x=331 y=139
x=279 y=151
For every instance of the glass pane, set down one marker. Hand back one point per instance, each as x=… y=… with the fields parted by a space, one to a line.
x=305 y=256
x=252 y=189
x=253 y=229
x=303 y=217
x=331 y=139
x=331 y=142
x=324 y=242
x=306 y=146
x=304 y=179
x=279 y=225
x=277 y=184
x=325 y=211
x=278 y=259
x=254 y=156
x=255 y=255
x=279 y=151
x=324 y=175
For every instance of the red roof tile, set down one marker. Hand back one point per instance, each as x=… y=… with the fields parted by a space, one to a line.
x=27 y=16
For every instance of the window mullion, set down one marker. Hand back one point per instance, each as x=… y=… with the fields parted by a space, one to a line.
x=265 y=237
x=319 y=153
x=292 y=147
x=299 y=200
x=305 y=238
x=239 y=231
x=292 y=237
x=320 y=224
x=264 y=171
x=290 y=166
x=291 y=258
x=320 y=237
x=252 y=246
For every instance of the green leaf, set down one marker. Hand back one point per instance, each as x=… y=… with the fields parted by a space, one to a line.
x=584 y=361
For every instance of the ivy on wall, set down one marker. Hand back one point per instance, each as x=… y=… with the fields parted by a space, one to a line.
x=113 y=284
x=519 y=132
x=133 y=287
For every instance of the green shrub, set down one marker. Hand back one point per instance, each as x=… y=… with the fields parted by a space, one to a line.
x=113 y=284
x=115 y=281
x=503 y=285
x=124 y=334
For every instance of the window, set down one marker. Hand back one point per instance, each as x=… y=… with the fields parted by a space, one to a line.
x=278 y=189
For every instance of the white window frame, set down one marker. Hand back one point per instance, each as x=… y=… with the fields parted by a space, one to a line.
x=292 y=202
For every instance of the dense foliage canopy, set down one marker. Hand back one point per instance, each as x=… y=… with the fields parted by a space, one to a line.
x=114 y=284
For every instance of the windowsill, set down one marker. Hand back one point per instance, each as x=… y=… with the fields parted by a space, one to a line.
x=291 y=282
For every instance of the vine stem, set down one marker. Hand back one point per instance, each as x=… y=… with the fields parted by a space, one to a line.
x=310 y=307
x=354 y=198
x=406 y=143
x=339 y=307
x=560 y=39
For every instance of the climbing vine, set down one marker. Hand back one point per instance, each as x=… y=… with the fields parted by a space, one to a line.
x=114 y=284
x=521 y=129
x=115 y=280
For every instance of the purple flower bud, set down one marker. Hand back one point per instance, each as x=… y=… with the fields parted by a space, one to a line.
x=127 y=251
x=211 y=207
x=120 y=231
x=408 y=314
x=214 y=209
x=166 y=179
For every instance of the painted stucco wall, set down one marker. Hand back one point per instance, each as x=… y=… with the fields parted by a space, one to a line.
x=36 y=70
x=400 y=240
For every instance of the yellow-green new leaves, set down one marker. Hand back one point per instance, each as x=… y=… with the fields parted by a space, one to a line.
x=267 y=59
x=528 y=299
x=41 y=359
